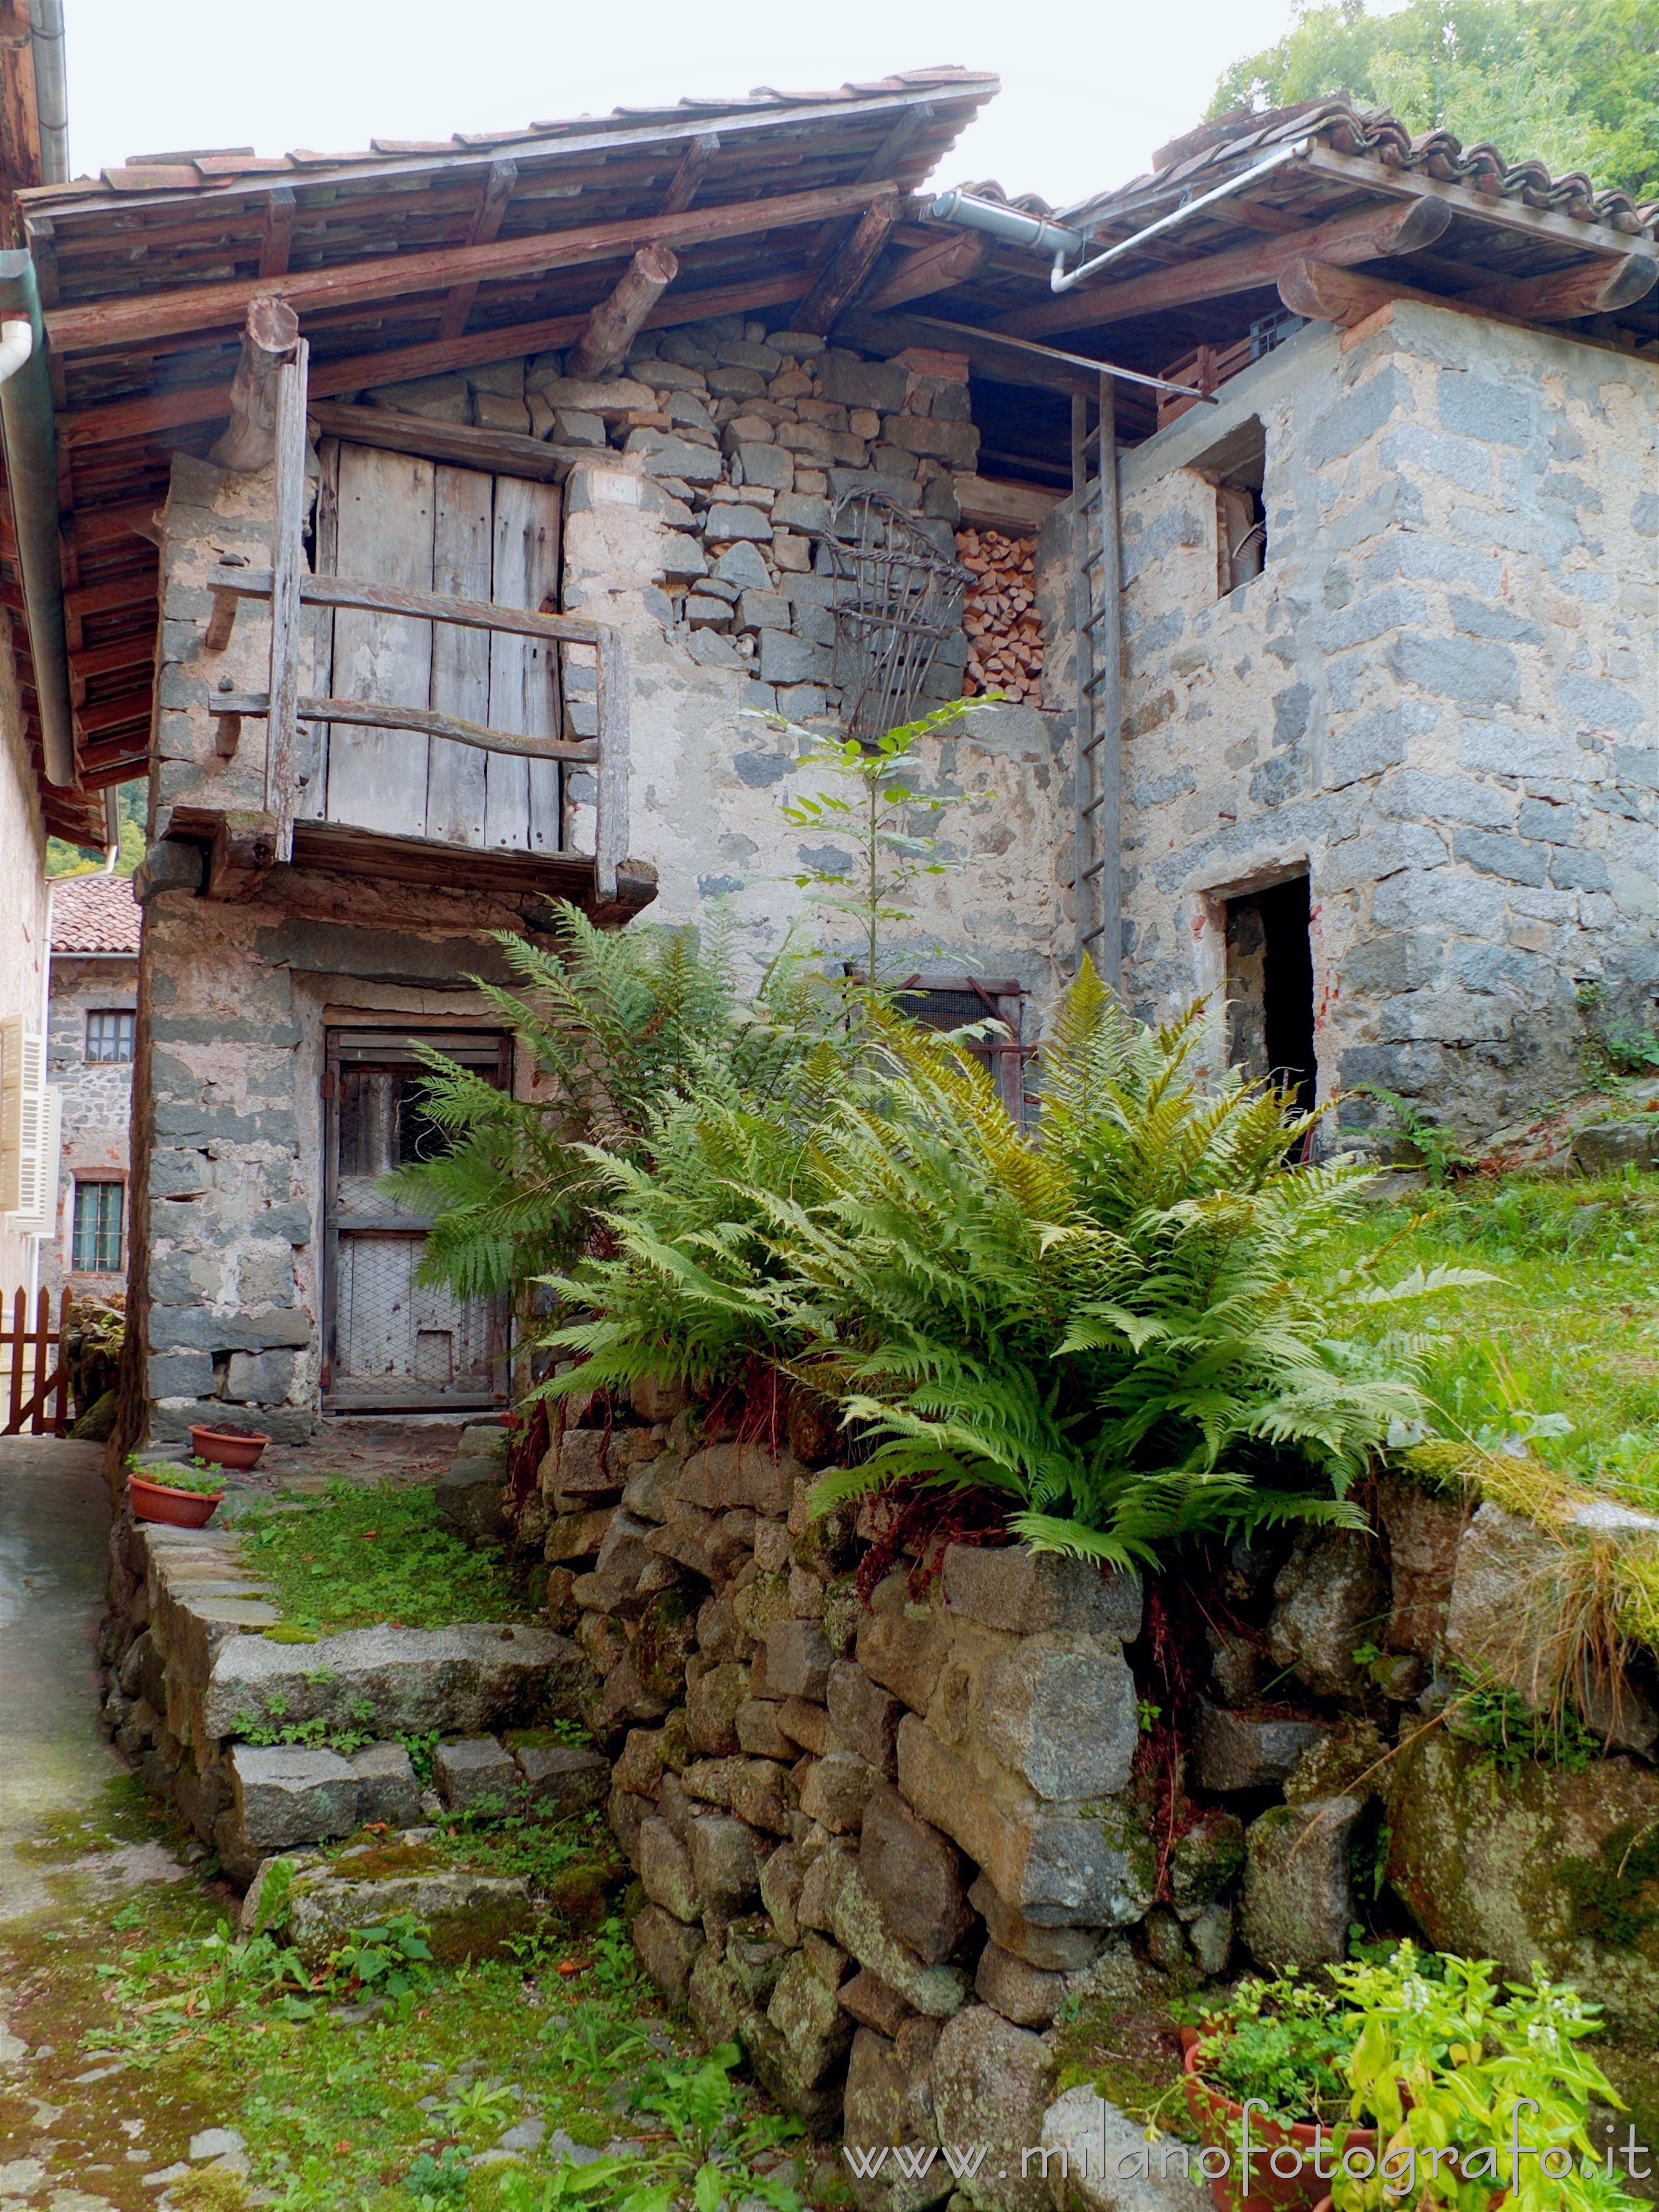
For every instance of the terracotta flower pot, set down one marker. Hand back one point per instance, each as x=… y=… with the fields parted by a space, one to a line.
x=237 y=1447
x=1220 y=2123
x=180 y=1509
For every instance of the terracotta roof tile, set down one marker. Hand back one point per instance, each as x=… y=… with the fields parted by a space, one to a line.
x=94 y=914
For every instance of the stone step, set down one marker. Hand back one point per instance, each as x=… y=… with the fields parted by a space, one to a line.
x=465 y=1914
x=469 y=1680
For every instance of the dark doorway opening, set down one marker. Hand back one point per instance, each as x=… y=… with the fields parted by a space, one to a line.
x=1270 y=988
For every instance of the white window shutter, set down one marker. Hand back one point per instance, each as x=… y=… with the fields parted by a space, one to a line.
x=22 y=1119
x=40 y=1219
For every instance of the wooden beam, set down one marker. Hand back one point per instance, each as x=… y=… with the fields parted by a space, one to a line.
x=1368 y=175
x=419 y=606
x=207 y=403
x=486 y=221
x=1386 y=227
x=694 y=163
x=272 y=332
x=612 y=324
x=278 y=241
x=376 y=713
x=1596 y=287
x=848 y=271
x=134 y=320
x=287 y=568
x=502 y=453
x=1344 y=296
x=932 y=268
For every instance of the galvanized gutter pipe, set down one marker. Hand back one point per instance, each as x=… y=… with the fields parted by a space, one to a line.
x=1015 y=228
x=1061 y=280
x=50 y=89
x=29 y=436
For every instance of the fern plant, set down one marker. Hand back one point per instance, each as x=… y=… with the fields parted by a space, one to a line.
x=616 y=1024
x=1117 y=1318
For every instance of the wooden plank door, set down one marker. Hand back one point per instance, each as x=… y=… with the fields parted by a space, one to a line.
x=394 y=518
x=392 y=1343
x=377 y=778
x=458 y=775
x=524 y=697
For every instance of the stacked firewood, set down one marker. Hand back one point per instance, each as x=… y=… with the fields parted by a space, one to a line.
x=1004 y=635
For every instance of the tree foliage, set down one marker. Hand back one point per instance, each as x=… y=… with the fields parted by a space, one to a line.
x=1115 y=1317
x=1572 y=82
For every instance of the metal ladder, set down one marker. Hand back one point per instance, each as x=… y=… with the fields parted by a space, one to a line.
x=1097 y=586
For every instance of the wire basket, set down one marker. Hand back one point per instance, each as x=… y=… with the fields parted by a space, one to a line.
x=897 y=598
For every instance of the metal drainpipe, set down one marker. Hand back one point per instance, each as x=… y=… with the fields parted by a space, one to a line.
x=1061 y=280
x=50 y=89
x=30 y=437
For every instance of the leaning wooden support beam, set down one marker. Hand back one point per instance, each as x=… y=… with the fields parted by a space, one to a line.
x=288 y=570
x=84 y=328
x=1386 y=228
x=851 y=265
x=272 y=332
x=613 y=324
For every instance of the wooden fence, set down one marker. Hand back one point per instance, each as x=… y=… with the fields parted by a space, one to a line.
x=33 y=1369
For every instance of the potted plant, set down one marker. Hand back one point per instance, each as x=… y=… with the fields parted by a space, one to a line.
x=237 y=1447
x=1280 y=2048
x=1491 y=2079
x=183 y=1496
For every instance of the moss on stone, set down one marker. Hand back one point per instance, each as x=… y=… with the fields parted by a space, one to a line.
x=1614 y=1899
x=667 y=1639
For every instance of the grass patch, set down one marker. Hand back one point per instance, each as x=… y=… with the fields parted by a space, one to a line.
x=1559 y=1355
x=347 y=2113
x=356 y=1557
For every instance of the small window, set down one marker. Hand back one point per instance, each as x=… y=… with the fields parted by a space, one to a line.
x=109 y=1036
x=949 y=1002
x=1237 y=466
x=100 y=1216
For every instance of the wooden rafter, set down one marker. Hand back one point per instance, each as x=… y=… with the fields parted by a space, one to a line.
x=276 y=237
x=133 y=319
x=486 y=223
x=934 y=268
x=693 y=166
x=852 y=264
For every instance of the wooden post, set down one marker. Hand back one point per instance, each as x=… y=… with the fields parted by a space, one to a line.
x=1083 y=679
x=287 y=566
x=611 y=803
x=60 y=1419
x=16 y=1343
x=611 y=325
x=272 y=330
x=1108 y=720
x=42 y=1359
x=682 y=186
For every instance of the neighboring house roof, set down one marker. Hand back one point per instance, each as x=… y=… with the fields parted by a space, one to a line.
x=1216 y=150
x=94 y=914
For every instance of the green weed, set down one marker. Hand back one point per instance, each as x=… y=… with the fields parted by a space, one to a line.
x=359 y=1556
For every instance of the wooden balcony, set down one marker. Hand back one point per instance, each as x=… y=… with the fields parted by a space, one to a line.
x=368 y=785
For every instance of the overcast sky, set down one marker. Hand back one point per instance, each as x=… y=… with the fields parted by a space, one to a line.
x=1088 y=89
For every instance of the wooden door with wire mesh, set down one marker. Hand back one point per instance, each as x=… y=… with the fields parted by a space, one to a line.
x=393 y=1344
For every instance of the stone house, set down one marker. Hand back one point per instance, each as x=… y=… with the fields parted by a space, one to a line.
x=579 y=452
x=95 y=924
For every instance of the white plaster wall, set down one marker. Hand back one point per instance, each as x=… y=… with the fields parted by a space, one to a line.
x=24 y=952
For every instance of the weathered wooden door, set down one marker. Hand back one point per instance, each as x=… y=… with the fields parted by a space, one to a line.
x=392 y=1344
x=396 y=518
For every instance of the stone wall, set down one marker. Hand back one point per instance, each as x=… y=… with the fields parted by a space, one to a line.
x=1438 y=698
x=883 y=1844
x=97 y=1095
